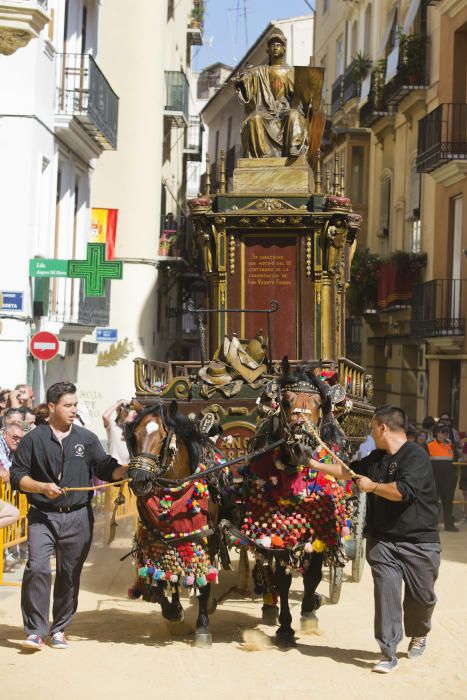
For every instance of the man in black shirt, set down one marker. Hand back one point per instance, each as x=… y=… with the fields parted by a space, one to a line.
x=50 y=458
x=402 y=536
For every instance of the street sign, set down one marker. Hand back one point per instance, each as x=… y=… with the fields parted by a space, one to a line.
x=48 y=267
x=44 y=345
x=12 y=301
x=106 y=335
x=95 y=270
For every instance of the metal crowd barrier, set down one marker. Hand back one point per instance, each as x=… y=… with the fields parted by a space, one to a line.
x=103 y=506
x=18 y=532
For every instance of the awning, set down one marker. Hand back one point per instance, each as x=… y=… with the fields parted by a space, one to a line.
x=387 y=31
x=410 y=16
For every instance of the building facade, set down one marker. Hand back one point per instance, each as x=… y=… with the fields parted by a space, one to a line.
x=58 y=115
x=146 y=180
x=386 y=73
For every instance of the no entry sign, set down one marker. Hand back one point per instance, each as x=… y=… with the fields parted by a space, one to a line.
x=44 y=345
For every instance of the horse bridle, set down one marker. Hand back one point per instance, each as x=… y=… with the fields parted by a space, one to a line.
x=156 y=464
x=294 y=434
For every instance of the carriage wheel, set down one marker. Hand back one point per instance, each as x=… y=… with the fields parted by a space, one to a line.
x=335 y=582
x=359 y=560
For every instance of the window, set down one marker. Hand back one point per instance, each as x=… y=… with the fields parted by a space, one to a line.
x=170 y=9
x=356 y=180
x=354 y=41
x=385 y=206
x=325 y=6
x=413 y=217
x=339 y=56
x=367 y=38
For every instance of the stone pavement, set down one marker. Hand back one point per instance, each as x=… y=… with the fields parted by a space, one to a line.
x=122 y=649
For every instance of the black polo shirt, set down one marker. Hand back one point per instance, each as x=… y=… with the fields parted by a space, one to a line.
x=415 y=518
x=72 y=463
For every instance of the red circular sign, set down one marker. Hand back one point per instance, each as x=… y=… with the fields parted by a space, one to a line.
x=44 y=345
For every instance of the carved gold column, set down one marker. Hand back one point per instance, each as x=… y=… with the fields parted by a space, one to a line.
x=326 y=311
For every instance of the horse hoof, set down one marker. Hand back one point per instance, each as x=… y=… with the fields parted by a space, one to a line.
x=212 y=605
x=173 y=615
x=203 y=639
x=309 y=623
x=285 y=639
x=270 y=615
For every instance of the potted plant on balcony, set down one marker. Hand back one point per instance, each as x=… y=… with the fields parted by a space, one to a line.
x=197 y=14
x=363 y=289
x=379 y=72
x=361 y=68
x=413 y=57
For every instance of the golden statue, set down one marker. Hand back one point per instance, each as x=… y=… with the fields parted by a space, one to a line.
x=277 y=114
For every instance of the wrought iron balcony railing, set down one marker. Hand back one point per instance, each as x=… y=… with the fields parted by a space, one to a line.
x=194 y=138
x=350 y=87
x=439 y=308
x=353 y=337
x=84 y=92
x=336 y=95
x=442 y=136
x=375 y=107
x=176 y=97
x=411 y=71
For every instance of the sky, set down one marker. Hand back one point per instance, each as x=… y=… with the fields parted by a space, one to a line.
x=226 y=34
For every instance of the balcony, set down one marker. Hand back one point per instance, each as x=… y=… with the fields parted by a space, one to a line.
x=21 y=21
x=195 y=33
x=336 y=95
x=350 y=87
x=439 y=309
x=375 y=107
x=353 y=337
x=442 y=143
x=176 y=98
x=410 y=68
x=85 y=97
x=194 y=139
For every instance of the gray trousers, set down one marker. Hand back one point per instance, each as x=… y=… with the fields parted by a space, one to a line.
x=69 y=535
x=415 y=565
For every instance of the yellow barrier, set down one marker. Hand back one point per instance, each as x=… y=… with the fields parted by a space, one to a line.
x=18 y=532
x=102 y=503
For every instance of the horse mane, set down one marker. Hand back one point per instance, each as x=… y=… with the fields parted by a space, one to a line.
x=182 y=426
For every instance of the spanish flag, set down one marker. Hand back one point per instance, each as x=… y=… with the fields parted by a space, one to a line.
x=104 y=229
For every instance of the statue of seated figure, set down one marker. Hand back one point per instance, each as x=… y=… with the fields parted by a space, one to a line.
x=277 y=119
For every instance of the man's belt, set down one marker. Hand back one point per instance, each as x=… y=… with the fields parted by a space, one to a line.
x=59 y=509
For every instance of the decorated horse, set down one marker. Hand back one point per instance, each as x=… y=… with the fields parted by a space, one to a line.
x=295 y=518
x=176 y=474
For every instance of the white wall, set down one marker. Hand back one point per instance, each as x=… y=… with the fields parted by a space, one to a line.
x=26 y=184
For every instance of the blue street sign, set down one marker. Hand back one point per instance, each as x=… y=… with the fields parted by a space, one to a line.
x=106 y=335
x=12 y=301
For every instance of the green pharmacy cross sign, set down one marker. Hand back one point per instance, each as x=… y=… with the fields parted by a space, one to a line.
x=95 y=270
